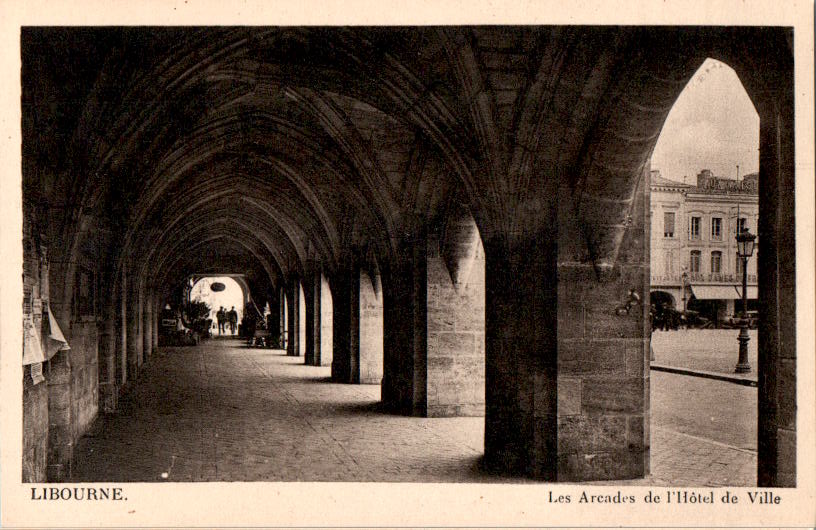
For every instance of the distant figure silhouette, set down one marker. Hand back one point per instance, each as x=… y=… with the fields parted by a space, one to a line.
x=233 y=319
x=222 y=320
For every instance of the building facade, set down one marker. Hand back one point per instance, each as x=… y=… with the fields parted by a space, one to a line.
x=694 y=262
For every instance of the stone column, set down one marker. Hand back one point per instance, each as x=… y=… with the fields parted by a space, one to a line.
x=403 y=383
x=455 y=318
x=367 y=357
x=520 y=356
x=326 y=322
x=122 y=343
x=344 y=325
x=313 y=321
x=603 y=354
x=108 y=388
x=133 y=338
x=776 y=275
x=293 y=301
x=140 y=327
x=155 y=327
x=370 y=350
x=302 y=330
x=433 y=326
x=148 y=325
x=60 y=417
x=274 y=318
x=284 y=311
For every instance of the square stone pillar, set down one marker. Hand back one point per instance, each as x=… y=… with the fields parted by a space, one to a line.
x=367 y=352
x=274 y=318
x=147 y=339
x=520 y=355
x=403 y=384
x=326 y=322
x=358 y=328
x=155 y=328
x=140 y=322
x=134 y=340
x=108 y=387
x=313 y=290
x=603 y=355
x=60 y=417
x=433 y=334
x=284 y=312
x=776 y=275
x=293 y=317
x=345 y=325
x=455 y=333
x=122 y=335
x=302 y=330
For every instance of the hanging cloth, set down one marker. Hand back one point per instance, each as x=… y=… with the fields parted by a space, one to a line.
x=56 y=340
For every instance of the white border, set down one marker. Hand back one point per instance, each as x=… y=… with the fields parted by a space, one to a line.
x=355 y=504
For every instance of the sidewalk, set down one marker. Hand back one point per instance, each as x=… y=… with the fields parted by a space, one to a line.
x=707 y=350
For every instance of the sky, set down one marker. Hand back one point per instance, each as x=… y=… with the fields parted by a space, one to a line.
x=713 y=125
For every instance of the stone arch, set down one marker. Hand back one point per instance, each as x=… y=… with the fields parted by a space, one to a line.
x=608 y=196
x=662 y=297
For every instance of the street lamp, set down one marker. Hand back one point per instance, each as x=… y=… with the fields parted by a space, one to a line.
x=684 y=279
x=745 y=248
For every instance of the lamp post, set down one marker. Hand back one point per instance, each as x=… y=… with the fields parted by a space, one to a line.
x=684 y=279
x=745 y=248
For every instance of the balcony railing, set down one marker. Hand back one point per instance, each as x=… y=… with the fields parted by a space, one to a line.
x=698 y=277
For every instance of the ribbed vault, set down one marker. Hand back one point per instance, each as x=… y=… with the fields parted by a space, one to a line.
x=307 y=144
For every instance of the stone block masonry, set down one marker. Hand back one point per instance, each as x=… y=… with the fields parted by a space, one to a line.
x=603 y=377
x=35 y=429
x=371 y=330
x=455 y=324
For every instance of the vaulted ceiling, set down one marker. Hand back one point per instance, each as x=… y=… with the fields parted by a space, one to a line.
x=290 y=146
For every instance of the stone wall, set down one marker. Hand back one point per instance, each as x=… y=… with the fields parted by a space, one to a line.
x=73 y=396
x=434 y=332
x=292 y=318
x=35 y=429
x=326 y=319
x=301 y=321
x=603 y=361
x=371 y=330
x=455 y=337
x=84 y=343
x=35 y=396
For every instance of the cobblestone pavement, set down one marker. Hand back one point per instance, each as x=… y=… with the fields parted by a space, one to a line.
x=223 y=412
x=713 y=350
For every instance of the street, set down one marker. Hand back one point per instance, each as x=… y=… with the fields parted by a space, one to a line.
x=712 y=350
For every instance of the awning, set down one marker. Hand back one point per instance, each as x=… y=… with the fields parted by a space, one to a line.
x=722 y=292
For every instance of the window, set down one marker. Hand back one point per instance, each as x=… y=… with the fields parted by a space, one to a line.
x=716 y=228
x=694 y=228
x=694 y=261
x=739 y=268
x=668 y=224
x=668 y=263
x=716 y=262
x=741 y=224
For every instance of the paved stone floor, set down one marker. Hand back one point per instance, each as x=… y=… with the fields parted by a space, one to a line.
x=223 y=412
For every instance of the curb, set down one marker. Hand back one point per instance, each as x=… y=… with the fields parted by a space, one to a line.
x=744 y=381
